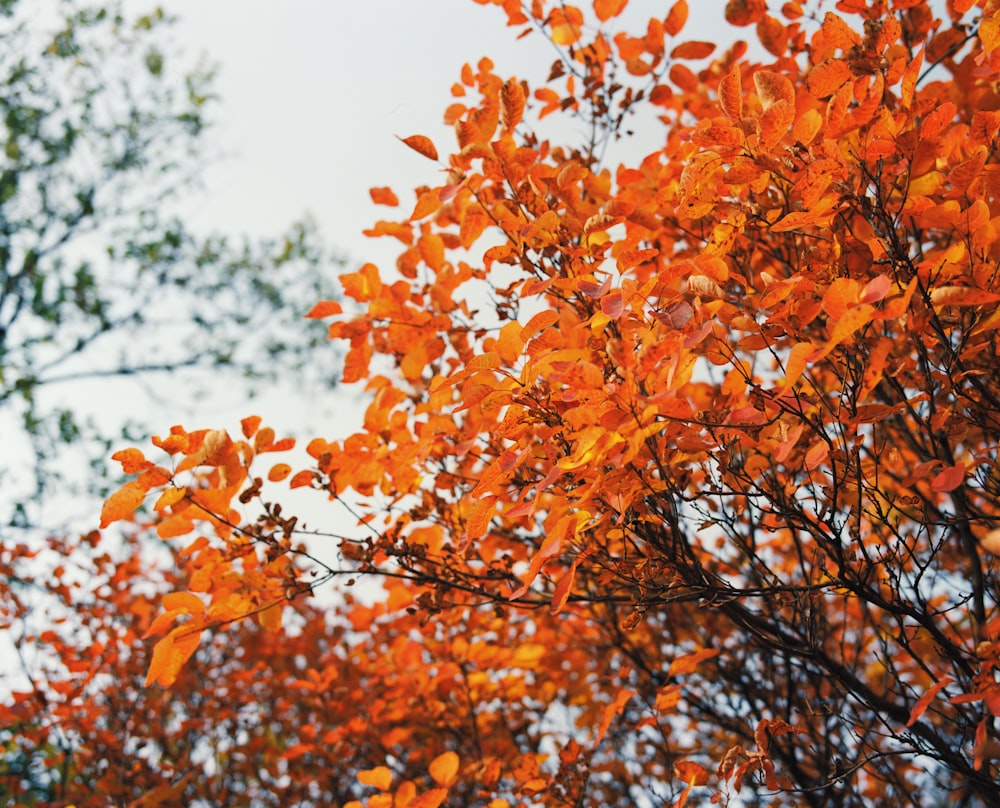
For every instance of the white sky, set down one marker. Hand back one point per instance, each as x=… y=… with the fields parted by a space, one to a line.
x=313 y=93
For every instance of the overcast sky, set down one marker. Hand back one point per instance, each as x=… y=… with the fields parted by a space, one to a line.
x=313 y=93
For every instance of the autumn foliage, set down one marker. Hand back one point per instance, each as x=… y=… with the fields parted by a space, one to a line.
x=678 y=474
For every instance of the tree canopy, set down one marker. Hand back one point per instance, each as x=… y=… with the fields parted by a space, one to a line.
x=678 y=475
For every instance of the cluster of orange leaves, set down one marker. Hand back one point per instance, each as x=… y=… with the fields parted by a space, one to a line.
x=735 y=311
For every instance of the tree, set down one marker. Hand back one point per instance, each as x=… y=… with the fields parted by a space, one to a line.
x=679 y=475
x=106 y=291
x=102 y=280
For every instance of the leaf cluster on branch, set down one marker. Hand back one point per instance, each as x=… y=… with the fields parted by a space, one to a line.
x=679 y=475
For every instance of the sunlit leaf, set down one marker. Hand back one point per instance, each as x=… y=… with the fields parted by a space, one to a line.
x=380 y=777
x=122 y=504
x=444 y=768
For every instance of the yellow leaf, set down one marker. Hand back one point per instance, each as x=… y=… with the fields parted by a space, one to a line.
x=444 y=768
x=527 y=655
x=270 y=618
x=169 y=497
x=184 y=601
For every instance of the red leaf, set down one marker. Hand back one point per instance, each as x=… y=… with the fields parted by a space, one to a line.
x=949 y=479
x=612 y=303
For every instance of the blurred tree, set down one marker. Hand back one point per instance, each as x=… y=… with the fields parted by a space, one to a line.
x=102 y=281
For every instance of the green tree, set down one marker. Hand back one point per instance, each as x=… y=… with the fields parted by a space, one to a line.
x=101 y=278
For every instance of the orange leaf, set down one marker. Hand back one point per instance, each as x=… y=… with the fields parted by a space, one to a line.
x=270 y=618
x=250 y=425
x=807 y=127
x=676 y=18
x=512 y=103
x=773 y=88
x=566 y=22
x=278 y=472
x=444 y=768
x=538 y=323
x=795 y=364
x=689 y=662
x=772 y=35
x=816 y=455
x=693 y=50
x=170 y=654
x=133 y=461
x=610 y=712
x=429 y=799
x=745 y=12
x=838 y=33
x=122 y=503
x=962 y=296
x=731 y=93
x=301 y=479
x=606 y=9
x=421 y=144
x=924 y=701
x=380 y=777
x=184 y=602
x=325 y=308
x=479 y=519
x=827 y=77
x=565 y=586
x=845 y=327
x=169 y=497
x=383 y=196
x=692 y=773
